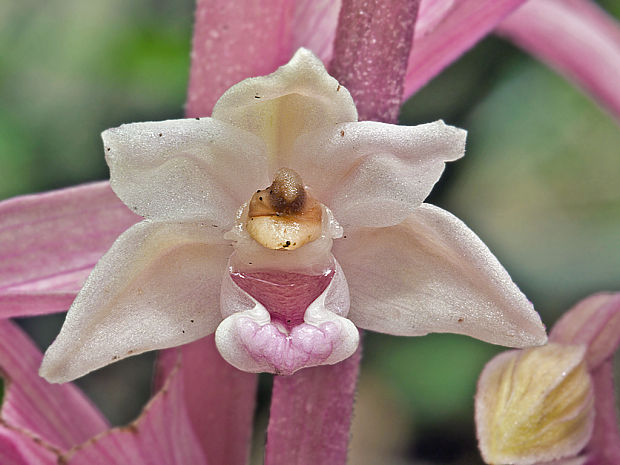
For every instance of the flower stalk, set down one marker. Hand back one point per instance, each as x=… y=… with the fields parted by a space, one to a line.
x=313 y=408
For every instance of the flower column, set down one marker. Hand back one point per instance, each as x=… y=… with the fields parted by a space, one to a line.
x=311 y=410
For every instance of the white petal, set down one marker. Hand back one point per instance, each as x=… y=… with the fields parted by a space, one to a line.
x=375 y=174
x=189 y=169
x=158 y=286
x=248 y=340
x=298 y=98
x=433 y=274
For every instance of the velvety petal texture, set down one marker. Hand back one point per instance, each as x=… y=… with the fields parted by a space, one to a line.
x=157 y=287
x=296 y=99
x=184 y=170
x=577 y=38
x=433 y=274
x=378 y=173
x=50 y=242
x=59 y=415
x=162 y=435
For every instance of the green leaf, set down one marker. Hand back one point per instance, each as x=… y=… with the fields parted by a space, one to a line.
x=1 y=391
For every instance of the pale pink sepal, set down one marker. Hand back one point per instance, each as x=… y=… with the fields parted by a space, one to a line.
x=595 y=321
x=157 y=287
x=219 y=397
x=576 y=38
x=18 y=447
x=49 y=243
x=453 y=28
x=232 y=43
x=60 y=415
x=431 y=273
x=162 y=435
x=310 y=415
x=371 y=51
x=31 y=303
x=604 y=446
x=314 y=26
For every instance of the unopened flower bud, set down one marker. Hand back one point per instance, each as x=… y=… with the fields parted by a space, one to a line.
x=534 y=405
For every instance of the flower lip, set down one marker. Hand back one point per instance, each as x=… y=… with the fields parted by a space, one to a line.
x=255 y=337
x=286 y=296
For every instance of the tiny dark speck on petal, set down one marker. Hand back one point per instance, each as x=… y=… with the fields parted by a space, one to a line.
x=191 y=321
x=460 y=320
x=257 y=96
x=344 y=237
x=183 y=331
x=108 y=149
x=342 y=133
x=130 y=428
x=338 y=88
x=197 y=119
x=160 y=134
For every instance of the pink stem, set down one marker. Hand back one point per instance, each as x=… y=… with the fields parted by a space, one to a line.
x=604 y=447
x=371 y=52
x=311 y=415
x=311 y=410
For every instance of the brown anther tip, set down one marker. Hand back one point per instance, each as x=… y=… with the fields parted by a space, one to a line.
x=284 y=215
x=287 y=192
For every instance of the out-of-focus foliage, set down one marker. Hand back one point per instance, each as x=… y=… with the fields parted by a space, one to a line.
x=70 y=69
x=538 y=183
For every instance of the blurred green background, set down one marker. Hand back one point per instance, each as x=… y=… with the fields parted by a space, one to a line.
x=539 y=184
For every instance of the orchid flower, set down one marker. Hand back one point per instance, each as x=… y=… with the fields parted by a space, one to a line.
x=555 y=402
x=278 y=299
x=62 y=234
x=43 y=424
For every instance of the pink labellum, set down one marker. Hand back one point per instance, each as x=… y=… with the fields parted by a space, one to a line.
x=281 y=322
x=286 y=296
